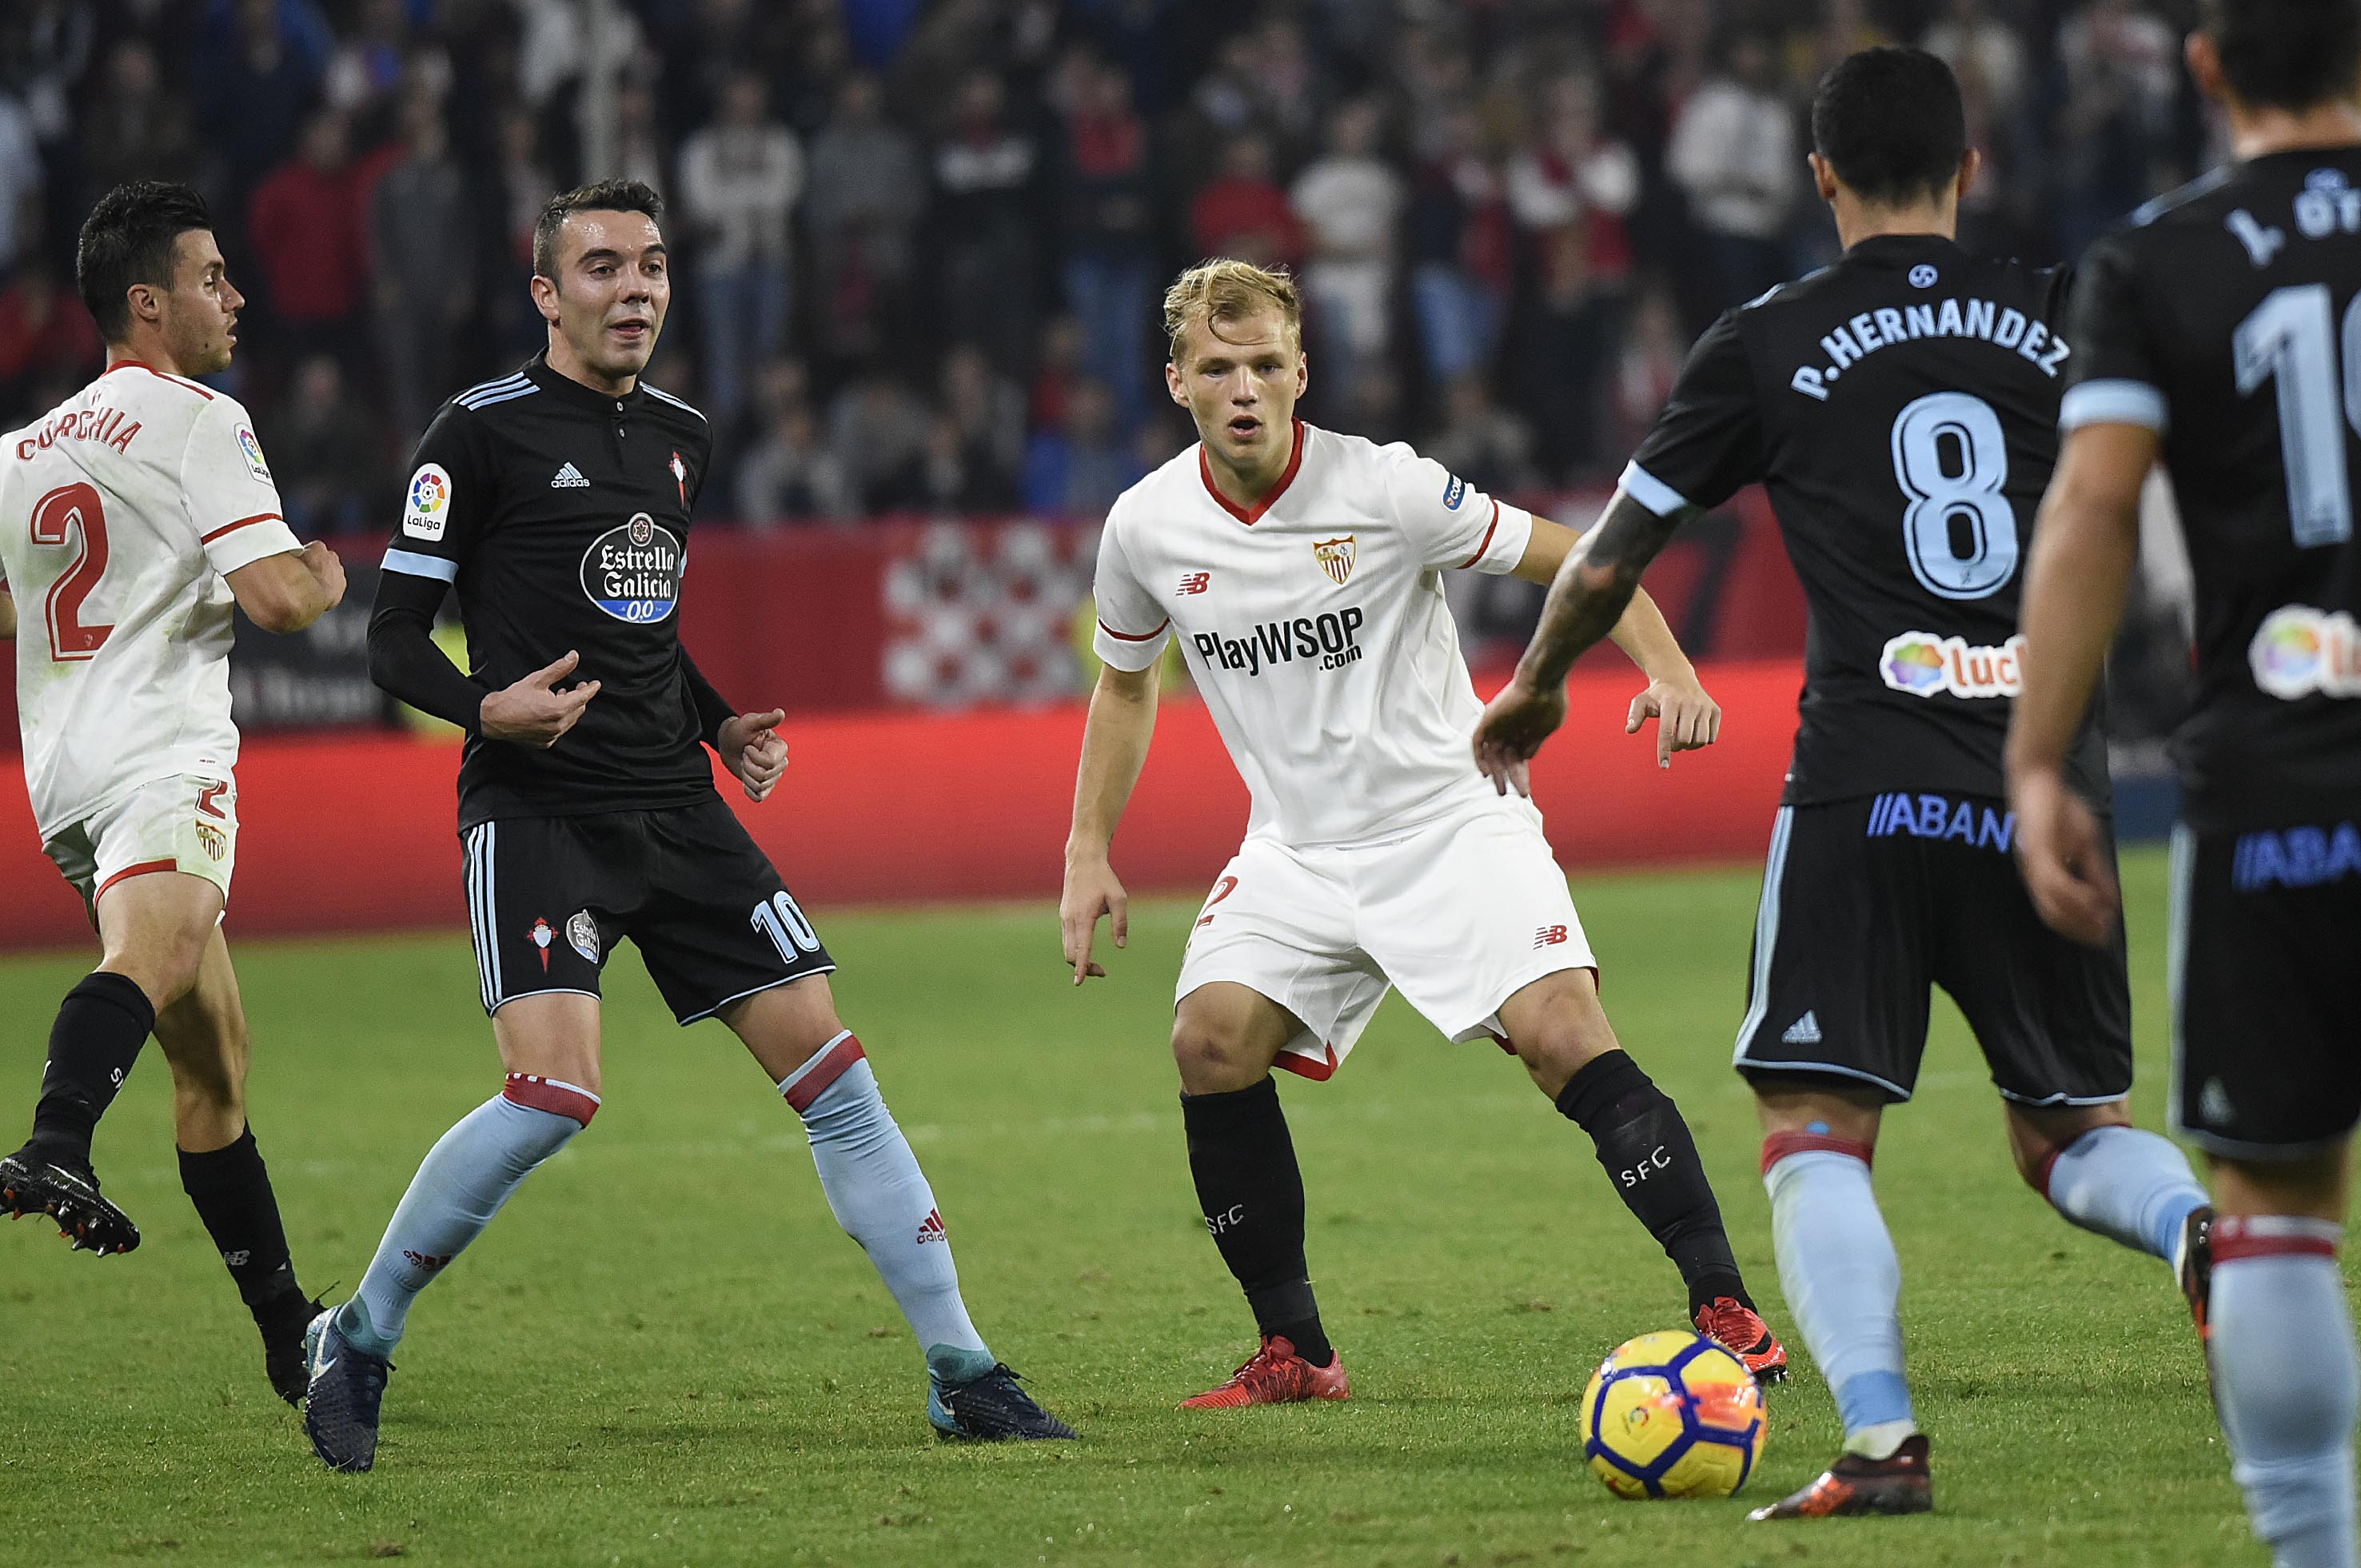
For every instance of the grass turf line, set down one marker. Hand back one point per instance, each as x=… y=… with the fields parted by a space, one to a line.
x=664 y=1350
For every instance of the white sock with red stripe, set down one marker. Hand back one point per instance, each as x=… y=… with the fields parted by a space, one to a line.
x=881 y=1198
x=2127 y=1184
x=2286 y=1381
x=471 y=1170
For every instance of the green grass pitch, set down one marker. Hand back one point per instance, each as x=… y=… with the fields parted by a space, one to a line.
x=665 y=1351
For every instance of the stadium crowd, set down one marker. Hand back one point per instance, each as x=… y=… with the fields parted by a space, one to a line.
x=920 y=243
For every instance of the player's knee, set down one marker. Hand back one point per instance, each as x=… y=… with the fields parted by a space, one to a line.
x=2037 y=1137
x=1557 y=1028
x=1212 y=1060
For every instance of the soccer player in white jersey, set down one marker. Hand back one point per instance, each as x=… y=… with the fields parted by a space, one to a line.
x=1300 y=571
x=132 y=517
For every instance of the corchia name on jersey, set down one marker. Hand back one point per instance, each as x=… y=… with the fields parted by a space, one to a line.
x=1882 y=328
x=633 y=572
x=1332 y=639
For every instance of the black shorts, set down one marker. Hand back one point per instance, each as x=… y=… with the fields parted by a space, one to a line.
x=549 y=896
x=1866 y=902
x=2267 y=989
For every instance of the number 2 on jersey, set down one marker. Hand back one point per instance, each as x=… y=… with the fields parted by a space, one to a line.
x=2287 y=339
x=73 y=507
x=1951 y=459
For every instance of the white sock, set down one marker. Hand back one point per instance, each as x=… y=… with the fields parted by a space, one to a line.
x=2130 y=1186
x=1842 y=1280
x=2286 y=1381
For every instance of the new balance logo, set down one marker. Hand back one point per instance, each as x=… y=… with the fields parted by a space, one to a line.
x=930 y=1229
x=1195 y=583
x=1804 y=1031
x=570 y=479
x=1549 y=935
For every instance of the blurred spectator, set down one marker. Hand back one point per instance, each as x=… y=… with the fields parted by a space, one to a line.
x=135 y=127
x=1055 y=371
x=792 y=473
x=985 y=414
x=366 y=67
x=309 y=231
x=1242 y=211
x=20 y=179
x=2119 y=81
x=520 y=186
x=1110 y=234
x=1459 y=251
x=422 y=253
x=44 y=336
x=1971 y=40
x=878 y=431
x=1372 y=406
x=1349 y=201
x=983 y=224
x=867 y=194
x=256 y=91
x=1078 y=468
x=1733 y=151
x=638 y=139
x=1483 y=443
x=739 y=179
x=326 y=454
x=1646 y=369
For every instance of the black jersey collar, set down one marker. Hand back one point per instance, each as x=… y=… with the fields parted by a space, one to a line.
x=1897 y=249
x=566 y=388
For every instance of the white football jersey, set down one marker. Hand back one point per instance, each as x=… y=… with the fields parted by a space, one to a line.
x=1315 y=627
x=120 y=512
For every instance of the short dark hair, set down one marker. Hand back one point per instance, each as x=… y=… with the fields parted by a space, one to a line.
x=131 y=237
x=1890 y=122
x=604 y=196
x=2290 y=54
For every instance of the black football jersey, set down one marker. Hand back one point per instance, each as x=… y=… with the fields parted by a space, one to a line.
x=2228 y=316
x=1901 y=408
x=560 y=515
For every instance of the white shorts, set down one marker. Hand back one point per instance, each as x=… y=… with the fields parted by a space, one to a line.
x=186 y=824
x=1461 y=913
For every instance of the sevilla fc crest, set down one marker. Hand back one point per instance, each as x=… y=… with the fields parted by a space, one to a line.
x=1335 y=558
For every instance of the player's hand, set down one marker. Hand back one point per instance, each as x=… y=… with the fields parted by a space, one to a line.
x=327 y=570
x=1514 y=725
x=1092 y=890
x=1686 y=718
x=750 y=748
x=534 y=712
x=2064 y=855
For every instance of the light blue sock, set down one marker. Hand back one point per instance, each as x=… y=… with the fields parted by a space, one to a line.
x=2129 y=1185
x=2288 y=1383
x=881 y=1198
x=461 y=1184
x=1843 y=1281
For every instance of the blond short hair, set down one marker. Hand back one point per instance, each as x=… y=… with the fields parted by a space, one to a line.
x=1223 y=290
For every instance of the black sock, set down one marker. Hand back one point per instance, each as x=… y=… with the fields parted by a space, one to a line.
x=1648 y=1153
x=232 y=1192
x=1252 y=1194
x=101 y=1025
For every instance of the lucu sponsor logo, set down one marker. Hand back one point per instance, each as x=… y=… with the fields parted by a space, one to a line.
x=1924 y=664
x=2299 y=651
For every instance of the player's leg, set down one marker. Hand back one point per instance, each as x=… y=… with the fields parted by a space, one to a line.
x=1271 y=978
x=2120 y=1181
x=204 y=1039
x=541 y=991
x=154 y=927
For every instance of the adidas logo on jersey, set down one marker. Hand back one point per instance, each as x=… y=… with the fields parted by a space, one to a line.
x=1804 y=1031
x=570 y=479
x=930 y=1229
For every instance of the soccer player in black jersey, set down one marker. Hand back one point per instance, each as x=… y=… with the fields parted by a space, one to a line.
x=1901 y=405
x=2220 y=334
x=556 y=502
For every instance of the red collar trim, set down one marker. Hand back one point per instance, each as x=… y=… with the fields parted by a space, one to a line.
x=1253 y=514
x=159 y=375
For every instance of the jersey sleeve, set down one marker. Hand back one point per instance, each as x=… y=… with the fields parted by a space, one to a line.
x=1708 y=443
x=2113 y=377
x=1132 y=627
x=1451 y=523
x=450 y=491
x=231 y=497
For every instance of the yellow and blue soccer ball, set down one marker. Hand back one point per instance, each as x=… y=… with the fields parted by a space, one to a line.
x=1672 y=1415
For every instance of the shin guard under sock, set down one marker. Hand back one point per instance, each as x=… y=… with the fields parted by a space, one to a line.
x=231 y=1189
x=1251 y=1192
x=101 y=1024
x=1647 y=1152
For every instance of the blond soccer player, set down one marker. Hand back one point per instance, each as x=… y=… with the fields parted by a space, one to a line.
x=132 y=517
x=1301 y=570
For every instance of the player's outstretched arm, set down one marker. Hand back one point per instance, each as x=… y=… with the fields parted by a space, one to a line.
x=2085 y=545
x=1589 y=595
x=289 y=591
x=1115 y=748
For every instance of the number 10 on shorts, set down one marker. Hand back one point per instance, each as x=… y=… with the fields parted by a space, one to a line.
x=778 y=918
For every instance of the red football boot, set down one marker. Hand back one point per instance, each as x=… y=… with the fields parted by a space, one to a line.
x=1855 y=1485
x=1275 y=1375
x=1739 y=1331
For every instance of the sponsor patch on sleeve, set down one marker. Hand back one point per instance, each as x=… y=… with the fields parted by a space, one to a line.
x=251 y=450
x=1455 y=490
x=428 y=507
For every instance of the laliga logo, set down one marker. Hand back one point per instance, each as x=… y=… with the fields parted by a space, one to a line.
x=1923 y=664
x=2299 y=651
